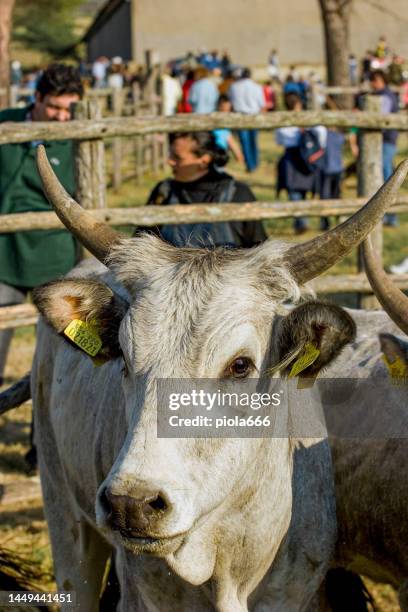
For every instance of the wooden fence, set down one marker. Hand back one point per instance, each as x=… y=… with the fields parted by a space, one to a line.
x=149 y=150
x=135 y=126
x=89 y=134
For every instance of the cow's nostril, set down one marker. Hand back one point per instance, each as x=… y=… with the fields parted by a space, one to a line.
x=158 y=504
x=105 y=501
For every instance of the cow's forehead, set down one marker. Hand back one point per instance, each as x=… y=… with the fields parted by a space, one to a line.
x=176 y=315
x=186 y=301
x=142 y=261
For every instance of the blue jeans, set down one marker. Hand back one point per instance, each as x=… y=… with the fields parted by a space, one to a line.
x=299 y=223
x=388 y=151
x=249 y=145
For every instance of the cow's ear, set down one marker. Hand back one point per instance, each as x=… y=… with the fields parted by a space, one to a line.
x=395 y=352
x=91 y=302
x=311 y=336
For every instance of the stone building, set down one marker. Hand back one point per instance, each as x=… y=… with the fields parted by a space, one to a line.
x=248 y=29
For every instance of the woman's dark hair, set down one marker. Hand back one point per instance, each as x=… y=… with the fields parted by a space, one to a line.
x=60 y=79
x=204 y=144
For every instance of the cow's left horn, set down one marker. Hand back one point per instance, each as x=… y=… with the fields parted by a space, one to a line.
x=394 y=302
x=314 y=257
x=97 y=237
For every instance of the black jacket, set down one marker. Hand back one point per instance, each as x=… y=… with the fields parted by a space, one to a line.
x=213 y=187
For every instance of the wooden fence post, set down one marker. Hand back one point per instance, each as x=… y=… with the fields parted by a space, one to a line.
x=370 y=178
x=155 y=142
x=117 y=151
x=83 y=164
x=98 y=160
x=162 y=138
x=13 y=95
x=90 y=161
x=136 y=95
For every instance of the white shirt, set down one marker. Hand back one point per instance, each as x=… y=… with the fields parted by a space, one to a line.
x=247 y=97
x=115 y=81
x=99 y=70
x=290 y=136
x=171 y=94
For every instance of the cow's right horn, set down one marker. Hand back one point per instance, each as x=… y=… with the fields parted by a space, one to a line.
x=394 y=302
x=95 y=236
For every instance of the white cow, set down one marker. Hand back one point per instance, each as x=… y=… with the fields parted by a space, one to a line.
x=221 y=524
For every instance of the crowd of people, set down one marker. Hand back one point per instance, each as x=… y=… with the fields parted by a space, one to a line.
x=312 y=162
x=211 y=82
x=382 y=58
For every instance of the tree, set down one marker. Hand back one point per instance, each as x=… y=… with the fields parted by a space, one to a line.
x=336 y=18
x=46 y=25
x=6 y=14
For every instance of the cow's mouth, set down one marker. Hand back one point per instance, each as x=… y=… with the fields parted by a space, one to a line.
x=160 y=546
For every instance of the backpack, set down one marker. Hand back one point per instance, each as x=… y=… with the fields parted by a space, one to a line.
x=310 y=151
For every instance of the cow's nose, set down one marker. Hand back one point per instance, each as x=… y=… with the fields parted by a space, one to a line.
x=135 y=516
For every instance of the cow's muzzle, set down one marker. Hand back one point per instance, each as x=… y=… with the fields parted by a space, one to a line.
x=135 y=516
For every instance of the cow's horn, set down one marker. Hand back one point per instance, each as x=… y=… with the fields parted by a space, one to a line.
x=394 y=302
x=97 y=237
x=314 y=257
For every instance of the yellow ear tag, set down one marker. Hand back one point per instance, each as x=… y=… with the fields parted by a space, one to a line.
x=397 y=368
x=85 y=336
x=308 y=356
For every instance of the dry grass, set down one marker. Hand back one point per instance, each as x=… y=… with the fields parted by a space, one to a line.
x=22 y=525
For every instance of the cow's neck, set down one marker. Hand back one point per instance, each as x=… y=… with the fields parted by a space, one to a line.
x=262 y=506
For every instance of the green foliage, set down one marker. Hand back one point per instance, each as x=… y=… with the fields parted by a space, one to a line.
x=46 y=25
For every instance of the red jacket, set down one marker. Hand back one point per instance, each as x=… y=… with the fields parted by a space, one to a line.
x=184 y=106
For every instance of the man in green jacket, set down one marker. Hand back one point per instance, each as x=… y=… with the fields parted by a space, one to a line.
x=28 y=259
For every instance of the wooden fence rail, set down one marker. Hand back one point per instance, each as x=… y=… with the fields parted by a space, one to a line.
x=18 y=316
x=196 y=213
x=133 y=126
x=350 y=89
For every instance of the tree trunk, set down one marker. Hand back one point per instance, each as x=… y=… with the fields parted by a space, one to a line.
x=335 y=15
x=6 y=13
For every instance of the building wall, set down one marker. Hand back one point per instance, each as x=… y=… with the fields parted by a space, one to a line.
x=114 y=37
x=250 y=28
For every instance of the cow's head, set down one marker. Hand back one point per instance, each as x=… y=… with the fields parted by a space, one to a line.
x=207 y=505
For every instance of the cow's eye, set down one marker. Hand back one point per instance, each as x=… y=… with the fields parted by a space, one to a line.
x=240 y=368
